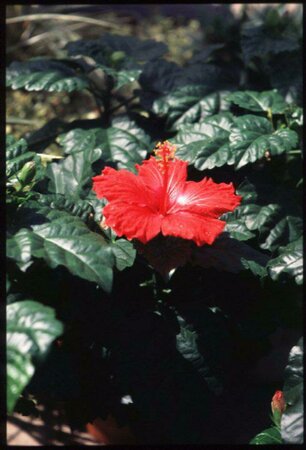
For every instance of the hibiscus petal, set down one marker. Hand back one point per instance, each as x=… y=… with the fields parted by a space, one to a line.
x=177 y=174
x=132 y=221
x=207 y=197
x=123 y=186
x=201 y=229
x=150 y=172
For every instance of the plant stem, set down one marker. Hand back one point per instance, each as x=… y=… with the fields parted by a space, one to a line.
x=17 y=121
x=270 y=116
x=48 y=156
x=124 y=103
x=295 y=152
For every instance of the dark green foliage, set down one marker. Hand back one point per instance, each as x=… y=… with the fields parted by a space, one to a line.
x=289 y=261
x=66 y=240
x=288 y=425
x=259 y=101
x=188 y=104
x=31 y=328
x=292 y=429
x=176 y=348
x=123 y=142
x=269 y=436
x=103 y=50
x=44 y=74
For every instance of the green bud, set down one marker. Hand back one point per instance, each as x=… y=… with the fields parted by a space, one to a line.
x=27 y=173
x=117 y=58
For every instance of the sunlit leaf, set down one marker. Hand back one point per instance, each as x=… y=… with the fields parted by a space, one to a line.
x=259 y=101
x=43 y=74
x=67 y=241
x=252 y=136
x=289 y=261
x=31 y=328
x=292 y=426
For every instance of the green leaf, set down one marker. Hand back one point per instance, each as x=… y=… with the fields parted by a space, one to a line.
x=203 y=333
x=273 y=227
x=248 y=192
x=17 y=155
x=295 y=116
x=121 y=77
x=67 y=241
x=79 y=140
x=254 y=267
x=206 y=54
x=19 y=372
x=259 y=101
x=220 y=140
x=288 y=229
x=289 y=261
x=44 y=74
x=286 y=74
x=123 y=143
x=252 y=136
x=163 y=78
x=19 y=248
x=73 y=174
x=31 y=328
x=205 y=144
x=124 y=253
x=158 y=78
x=97 y=205
x=187 y=104
x=213 y=76
x=269 y=436
x=292 y=429
x=15 y=147
x=260 y=41
x=249 y=217
x=77 y=207
x=238 y=230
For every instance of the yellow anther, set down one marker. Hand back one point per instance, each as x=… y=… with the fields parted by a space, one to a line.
x=165 y=151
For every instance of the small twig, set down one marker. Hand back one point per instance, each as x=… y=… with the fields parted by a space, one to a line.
x=70 y=17
x=125 y=103
x=48 y=156
x=16 y=121
x=34 y=39
x=295 y=152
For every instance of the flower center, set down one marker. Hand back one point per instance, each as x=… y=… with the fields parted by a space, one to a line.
x=164 y=153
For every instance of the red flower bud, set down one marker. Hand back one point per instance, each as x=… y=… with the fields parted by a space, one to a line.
x=278 y=402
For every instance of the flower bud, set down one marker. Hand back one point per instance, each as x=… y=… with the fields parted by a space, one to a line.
x=27 y=173
x=117 y=58
x=278 y=403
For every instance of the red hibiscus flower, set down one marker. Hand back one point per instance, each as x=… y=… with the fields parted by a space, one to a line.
x=160 y=200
